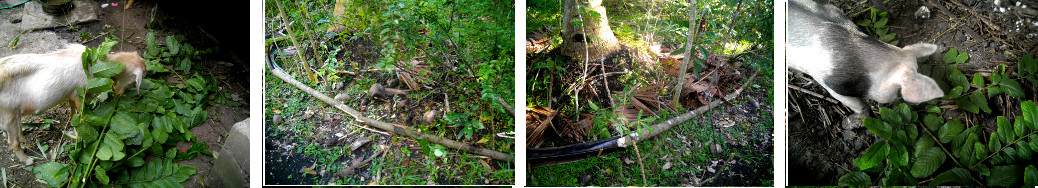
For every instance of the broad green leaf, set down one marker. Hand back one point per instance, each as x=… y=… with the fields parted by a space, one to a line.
x=196 y=83
x=1023 y=151
x=101 y=175
x=183 y=173
x=880 y=128
x=98 y=85
x=863 y=23
x=174 y=46
x=906 y=112
x=957 y=78
x=962 y=58
x=996 y=78
x=950 y=130
x=1004 y=175
x=106 y=69
x=949 y=56
x=1020 y=128
x=921 y=145
x=160 y=132
x=994 y=145
x=1030 y=113
x=980 y=150
x=898 y=155
x=981 y=101
x=933 y=121
x=882 y=22
x=888 y=37
x=889 y=115
x=124 y=125
x=898 y=175
x=51 y=173
x=1005 y=129
x=1012 y=88
x=928 y=162
x=1033 y=141
x=855 y=179
x=1030 y=176
x=956 y=176
x=933 y=109
x=966 y=104
x=978 y=80
x=103 y=49
x=872 y=157
x=135 y=162
x=1010 y=153
x=994 y=90
x=954 y=93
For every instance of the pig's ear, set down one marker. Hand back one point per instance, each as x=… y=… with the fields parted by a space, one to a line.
x=918 y=88
x=921 y=49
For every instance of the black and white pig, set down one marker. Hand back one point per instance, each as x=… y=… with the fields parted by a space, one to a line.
x=824 y=43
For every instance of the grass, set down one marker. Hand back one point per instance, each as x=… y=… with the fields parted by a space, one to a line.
x=380 y=41
x=686 y=159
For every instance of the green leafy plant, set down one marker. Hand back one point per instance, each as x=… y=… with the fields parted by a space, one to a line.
x=468 y=125
x=116 y=136
x=1027 y=69
x=876 y=25
x=967 y=98
x=947 y=152
x=1001 y=83
x=953 y=56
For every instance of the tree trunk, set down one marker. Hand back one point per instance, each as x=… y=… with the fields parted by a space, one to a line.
x=591 y=40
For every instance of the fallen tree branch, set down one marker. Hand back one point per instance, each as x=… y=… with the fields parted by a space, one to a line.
x=399 y=130
x=538 y=157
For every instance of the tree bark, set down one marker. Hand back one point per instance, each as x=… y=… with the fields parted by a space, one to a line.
x=591 y=40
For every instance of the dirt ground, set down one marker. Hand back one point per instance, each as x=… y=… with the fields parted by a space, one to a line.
x=821 y=149
x=130 y=25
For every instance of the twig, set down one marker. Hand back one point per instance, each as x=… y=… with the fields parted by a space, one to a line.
x=812 y=93
x=645 y=182
x=723 y=166
x=399 y=130
x=538 y=157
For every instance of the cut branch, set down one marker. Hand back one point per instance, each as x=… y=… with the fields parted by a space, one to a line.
x=396 y=129
x=538 y=157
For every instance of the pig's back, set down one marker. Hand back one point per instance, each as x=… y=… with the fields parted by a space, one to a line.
x=823 y=43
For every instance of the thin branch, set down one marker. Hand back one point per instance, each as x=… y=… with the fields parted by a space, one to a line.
x=396 y=129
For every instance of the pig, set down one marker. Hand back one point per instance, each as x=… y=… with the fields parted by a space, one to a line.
x=823 y=43
x=32 y=83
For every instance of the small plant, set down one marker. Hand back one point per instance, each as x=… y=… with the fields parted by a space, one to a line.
x=876 y=26
x=1027 y=69
x=974 y=101
x=117 y=136
x=953 y=56
x=1001 y=83
x=947 y=152
x=468 y=125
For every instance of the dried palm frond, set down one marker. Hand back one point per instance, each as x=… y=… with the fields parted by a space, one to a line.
x=538 y=119
x=577 y=132
x=646 y=99
x=412 y=73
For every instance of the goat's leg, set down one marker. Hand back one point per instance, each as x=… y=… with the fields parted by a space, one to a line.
x=14 y=134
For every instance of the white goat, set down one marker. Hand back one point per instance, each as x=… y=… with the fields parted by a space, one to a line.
x=31 y=83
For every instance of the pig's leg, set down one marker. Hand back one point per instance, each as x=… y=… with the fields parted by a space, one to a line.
x=852 y=121
x=13 y=128
x=853 y=102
